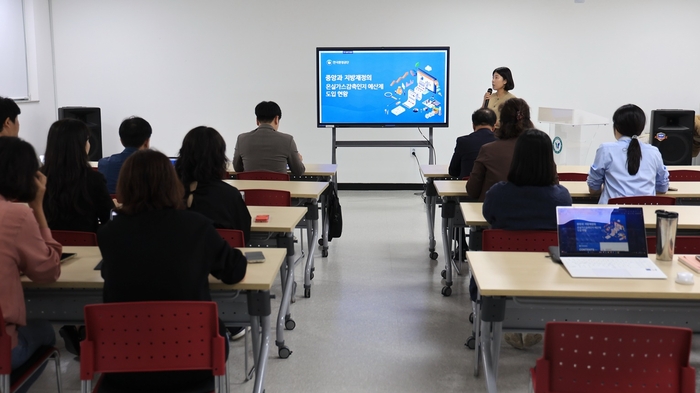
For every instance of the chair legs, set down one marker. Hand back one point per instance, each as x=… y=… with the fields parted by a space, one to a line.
x=57 y=360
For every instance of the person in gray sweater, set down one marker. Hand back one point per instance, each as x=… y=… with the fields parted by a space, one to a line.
x=265 y=148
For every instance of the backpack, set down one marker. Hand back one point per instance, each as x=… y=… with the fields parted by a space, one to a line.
x=335 y=214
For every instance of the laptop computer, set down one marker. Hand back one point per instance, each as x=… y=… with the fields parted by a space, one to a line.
x=604 y=242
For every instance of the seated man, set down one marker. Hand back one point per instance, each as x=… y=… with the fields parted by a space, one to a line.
x=9 y=123
x=265 y=148
x=467 y=148
x=135 y=134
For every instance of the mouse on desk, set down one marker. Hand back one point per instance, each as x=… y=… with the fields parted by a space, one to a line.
x=554 y=254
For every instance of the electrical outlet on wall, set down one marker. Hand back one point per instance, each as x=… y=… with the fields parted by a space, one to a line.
x=413 y=151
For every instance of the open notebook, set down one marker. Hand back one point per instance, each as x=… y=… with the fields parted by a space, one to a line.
x=604 y=242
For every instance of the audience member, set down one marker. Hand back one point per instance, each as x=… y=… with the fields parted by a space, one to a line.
x=493 y=162
x=76 y=195
x=528 y=200
x=9 y=111
x=134 y=134
x=467 y=147
x=265 y=148
x=627 y=167
x=26 y=247
x=154 y=250
x=201 y=164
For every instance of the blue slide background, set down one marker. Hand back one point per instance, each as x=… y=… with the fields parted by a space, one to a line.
x=373 y=107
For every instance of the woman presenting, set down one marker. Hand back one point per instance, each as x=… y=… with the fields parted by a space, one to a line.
x=502 y=83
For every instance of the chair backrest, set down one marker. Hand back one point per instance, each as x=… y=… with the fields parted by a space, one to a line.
x=234 y=237
x=570 y=176
x=262 y=175
x=683 y=175
x=151 y=336
x=75 y=238
x=532 y=241
x=643 y=200
x=268 y=198
x=5 y=349
x=601 y=357
x=684 y=245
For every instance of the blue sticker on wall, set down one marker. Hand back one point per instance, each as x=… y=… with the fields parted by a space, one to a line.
x=557 y=145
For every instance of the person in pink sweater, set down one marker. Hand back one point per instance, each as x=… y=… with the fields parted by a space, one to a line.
x=26 y=245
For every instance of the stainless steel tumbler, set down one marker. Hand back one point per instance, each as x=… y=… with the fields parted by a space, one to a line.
x=666 y=226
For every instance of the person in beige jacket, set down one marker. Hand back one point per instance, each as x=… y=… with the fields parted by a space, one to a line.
x=265 y=148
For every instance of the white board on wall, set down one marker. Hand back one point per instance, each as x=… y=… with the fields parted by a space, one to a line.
x=13 y=67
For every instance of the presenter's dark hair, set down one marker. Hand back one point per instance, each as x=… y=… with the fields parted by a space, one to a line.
x=134 y=131
x=18 y=166
x=8 y=109
x=202 y=156
x=533 y=160
x=484 y=116
x=515 y=118
x=505 y=73
x=67 y=169
x=266 y=111
x=147 y=181
x=629 y=120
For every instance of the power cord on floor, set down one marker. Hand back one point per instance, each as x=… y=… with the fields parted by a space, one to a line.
x=420 y=171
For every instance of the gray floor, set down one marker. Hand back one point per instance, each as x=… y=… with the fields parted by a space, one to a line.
x=376 y=321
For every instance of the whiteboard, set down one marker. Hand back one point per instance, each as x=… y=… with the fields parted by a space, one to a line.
x=13 y=67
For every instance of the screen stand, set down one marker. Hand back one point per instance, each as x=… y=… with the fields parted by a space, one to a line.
x=415 y=143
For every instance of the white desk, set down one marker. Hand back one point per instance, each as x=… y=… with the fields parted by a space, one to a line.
x=523 y=291
x=80 y=284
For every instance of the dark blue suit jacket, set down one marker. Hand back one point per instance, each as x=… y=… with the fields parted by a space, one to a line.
x=466 y=151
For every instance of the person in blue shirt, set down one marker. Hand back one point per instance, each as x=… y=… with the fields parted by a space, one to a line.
x=627 y=167
x=468 y=146
x=135 y=134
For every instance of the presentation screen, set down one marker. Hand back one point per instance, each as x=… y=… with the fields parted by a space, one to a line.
x=382 y=87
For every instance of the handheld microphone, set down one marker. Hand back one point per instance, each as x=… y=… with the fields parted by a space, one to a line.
x=486 y=102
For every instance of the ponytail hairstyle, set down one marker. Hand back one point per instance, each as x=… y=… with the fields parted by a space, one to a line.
x=515 y=118
x=629 y=120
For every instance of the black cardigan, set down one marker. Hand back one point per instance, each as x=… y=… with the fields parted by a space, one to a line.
x=223 y=204
x=164 y=255
x=98 y=213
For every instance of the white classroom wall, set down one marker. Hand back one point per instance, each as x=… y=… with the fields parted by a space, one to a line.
x=183 y=63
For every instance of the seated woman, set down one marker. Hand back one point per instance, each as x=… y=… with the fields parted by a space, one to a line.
x=76 y=195
x=493 y=162
x=627 y=167
x=26 y=246
x=153 y=250
x=201 y=165
x=528 y=200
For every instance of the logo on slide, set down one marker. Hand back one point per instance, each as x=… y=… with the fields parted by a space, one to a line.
x=557 y=145
x=661 y=137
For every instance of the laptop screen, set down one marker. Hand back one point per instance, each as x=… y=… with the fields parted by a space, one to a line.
x=601 y=231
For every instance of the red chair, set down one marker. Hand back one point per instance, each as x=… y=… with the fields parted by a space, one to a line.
x=601 y=357
x=234 y=237
x=683 y=175
x=684 y=245
x=152 y=336
x=75 y=238
x=643 y=200
x=268 y=198
x=11 y=381
x=529 y=241
x=570 y=176
x=262 y=175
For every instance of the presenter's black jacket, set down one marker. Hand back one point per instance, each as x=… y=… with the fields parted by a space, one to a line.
x=163 y=255
x=221 y=203
x=466 y=151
